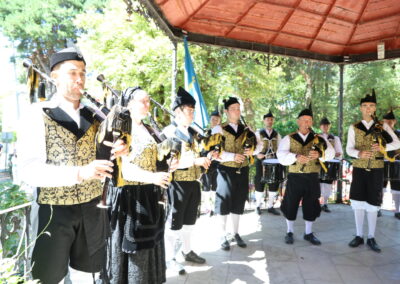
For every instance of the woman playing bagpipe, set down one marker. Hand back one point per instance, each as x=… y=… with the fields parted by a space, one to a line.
x=137 y=214
x=233 y=171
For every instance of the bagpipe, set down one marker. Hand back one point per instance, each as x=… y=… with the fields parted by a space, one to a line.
x=378 y=137
x=319 y=145
x=248 y=142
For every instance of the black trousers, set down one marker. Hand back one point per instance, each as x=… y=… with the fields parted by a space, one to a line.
x=184 y=199
x=77 y=236
x=260 y=186
x=232 y=190
x=209 y=179
x=304 y=188
x=367 y=186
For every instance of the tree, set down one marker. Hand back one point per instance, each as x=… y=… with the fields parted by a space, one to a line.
x=41 y=27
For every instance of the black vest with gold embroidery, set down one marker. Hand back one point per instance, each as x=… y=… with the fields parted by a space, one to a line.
x=298 y=146
x=363 y=142
x=68 y=145
x=143 y=154
x=267 y=140
x=233 y=143
x=189 y=144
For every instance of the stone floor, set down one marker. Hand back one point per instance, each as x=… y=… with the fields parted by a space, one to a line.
x=267 y=259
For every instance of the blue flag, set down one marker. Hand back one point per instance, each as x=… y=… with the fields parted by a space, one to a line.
x=192 y=86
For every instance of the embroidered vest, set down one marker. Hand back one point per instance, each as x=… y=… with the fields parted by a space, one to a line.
x=192 y=173
x=267 y=141
x=363 y=142
x=143 y=154
x=64 y=149
x=233 y=144
x=301 y=149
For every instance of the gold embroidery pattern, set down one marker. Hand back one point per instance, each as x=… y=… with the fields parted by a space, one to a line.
x=363 y=142
x=234 y=146
x=192 y=173
x=265 y=141
x=298 y=148
x=63 y=149
x=144 y=155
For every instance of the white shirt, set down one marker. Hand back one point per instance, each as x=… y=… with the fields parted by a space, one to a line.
x=337 y=144
x=131 y=171
x=260 y=142
x=187 y=157
x=287 y=158
x=351 y=141
x=32 y=147
x=225 y=156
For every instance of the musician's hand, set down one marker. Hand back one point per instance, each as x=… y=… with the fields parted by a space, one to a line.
x=313 y=155
x=213 y=155
x=260 y=156
x=365 y=154
x=239 y=158
x=375 y=147
x=248 y=152
x=161 y=179
x=302 y=159
x=119 y=148
x=173 y=164
x=97 y=169
x=203 y=162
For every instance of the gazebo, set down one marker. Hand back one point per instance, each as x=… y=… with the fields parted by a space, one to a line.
x=335 y=31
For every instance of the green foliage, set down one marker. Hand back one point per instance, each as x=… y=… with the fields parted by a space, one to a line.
x=11 y=195
x=41 y=27
x=8 y=273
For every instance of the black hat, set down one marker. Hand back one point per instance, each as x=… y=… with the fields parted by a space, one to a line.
x=324 y=121
x=389 y=115
x=269 y=114
x=306 y=111
x=230 y=101
x=65 y=54
x=127 y=95
x=369 y=98
x=183 y=98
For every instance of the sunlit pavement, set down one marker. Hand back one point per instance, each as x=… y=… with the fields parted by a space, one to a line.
x=267 y=259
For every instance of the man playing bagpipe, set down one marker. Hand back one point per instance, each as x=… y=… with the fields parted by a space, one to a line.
x=58 y=156
x=390 y=120
x=184 y=192
x=304 y=153
x=233 y=171
x=209 y=179
x=367 y=141
x=326 y=186
x=267 y=144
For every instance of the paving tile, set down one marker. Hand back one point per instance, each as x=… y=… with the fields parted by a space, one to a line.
x=357 y=275
x=389 y=273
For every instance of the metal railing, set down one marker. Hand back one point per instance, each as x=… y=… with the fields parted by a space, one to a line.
x=15 y=223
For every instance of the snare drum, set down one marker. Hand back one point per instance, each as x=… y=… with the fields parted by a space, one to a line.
x=273 y=171
x=332 y=174
x=391 y=171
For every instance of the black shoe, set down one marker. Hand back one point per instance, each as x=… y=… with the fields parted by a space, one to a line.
x=312 y=239
x=325 y=208
x=258 y=209
x=193 y=257
x=356 y=242
x=239 y=241
x=273 y=211
x=371 y=243
x=175 y=266
x=289 y=238
x=211 y=213
x=379 y=213
x=397 y=215
x=225 y=245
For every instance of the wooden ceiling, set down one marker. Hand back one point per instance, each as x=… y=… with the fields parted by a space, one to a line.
x=326 y=30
